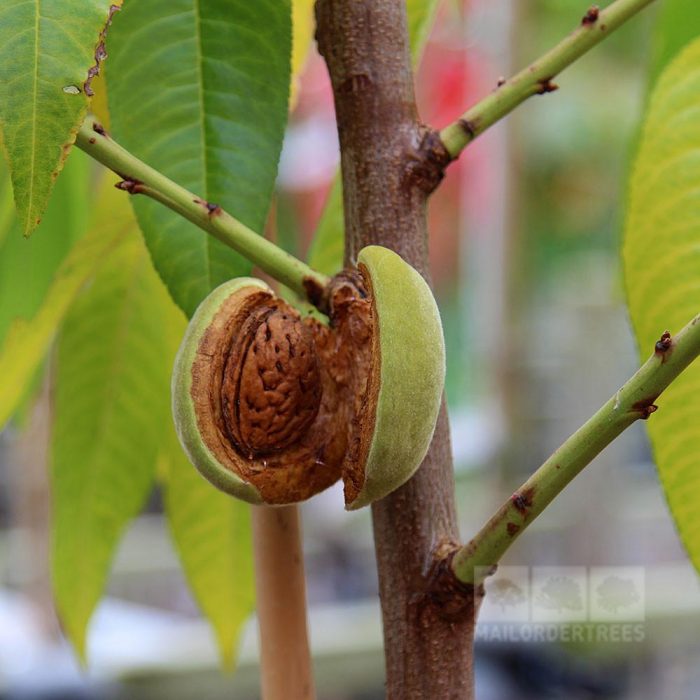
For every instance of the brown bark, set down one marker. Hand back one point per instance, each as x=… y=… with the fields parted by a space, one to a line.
x=390 y=163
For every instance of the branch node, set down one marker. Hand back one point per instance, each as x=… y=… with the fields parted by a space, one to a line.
x=212 y=209
x=591 y=17
x=130 y=185
x=426 y=164
x=512 y=529
x=99 y=129
x=445 y=595
x=522 y=501
x=469 y=126
x=663 y=345
x=546 y=85
x=645 y=408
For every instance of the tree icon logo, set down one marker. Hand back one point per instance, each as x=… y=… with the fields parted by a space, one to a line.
x=560 y=593
x=616 y=593
x=506 y=594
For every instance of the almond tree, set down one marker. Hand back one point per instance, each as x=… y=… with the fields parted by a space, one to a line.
x=198 y=102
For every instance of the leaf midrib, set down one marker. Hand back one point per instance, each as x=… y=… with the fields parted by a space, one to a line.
x=203 y=127
x=35 y=89
x=105 y=420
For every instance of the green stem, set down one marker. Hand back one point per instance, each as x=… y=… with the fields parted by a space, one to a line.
x=473 y=562
x=139 y=178
x=537 y=78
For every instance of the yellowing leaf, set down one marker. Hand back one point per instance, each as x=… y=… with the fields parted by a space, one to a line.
x=29 y=265
x=47 y=49
x=26 y=342
x=6 y=209
x=327 y=247
x=302 y=35
x=420 y=15
x=676 y=24
x=211 y=531
x=661 y=257
x=212 y=535
x=111 y=407
x=98 y=106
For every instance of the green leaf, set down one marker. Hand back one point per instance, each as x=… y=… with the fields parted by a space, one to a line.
x=199 y=90
x=111 y=406
x=661 y=258
x=7 y=213
x=677 y=24
x=421 y=14
x=303 y=25
x=27 y=340
x=326 y=250
x=28 y=265
x=47 y=48
x=327 y=247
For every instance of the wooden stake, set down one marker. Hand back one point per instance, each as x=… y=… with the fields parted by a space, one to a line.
x=285 y=658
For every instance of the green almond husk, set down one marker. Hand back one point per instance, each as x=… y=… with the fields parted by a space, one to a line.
x=409 y=340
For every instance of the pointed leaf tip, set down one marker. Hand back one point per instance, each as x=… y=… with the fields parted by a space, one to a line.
x=47 y=57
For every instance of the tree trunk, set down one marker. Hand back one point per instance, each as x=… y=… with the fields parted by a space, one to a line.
x=390 y=164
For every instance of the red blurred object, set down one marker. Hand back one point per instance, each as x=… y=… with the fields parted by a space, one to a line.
x=448 y=80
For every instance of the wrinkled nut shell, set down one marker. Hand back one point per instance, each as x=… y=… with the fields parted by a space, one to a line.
x=248 y=421
x=271 y=387
x=273 y=409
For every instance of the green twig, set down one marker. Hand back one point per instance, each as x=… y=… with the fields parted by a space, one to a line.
x=635 y=400
x=139 y=178
x=537 y=78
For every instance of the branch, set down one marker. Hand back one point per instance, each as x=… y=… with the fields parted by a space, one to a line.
x=139 y=178
x=537 y=78
x=473 y=562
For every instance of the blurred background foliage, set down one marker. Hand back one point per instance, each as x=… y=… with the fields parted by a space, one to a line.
x=524 y=233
